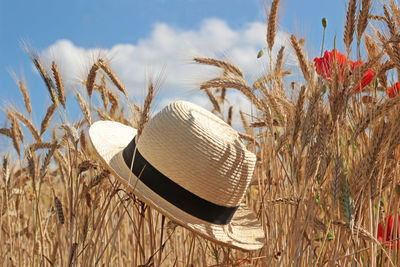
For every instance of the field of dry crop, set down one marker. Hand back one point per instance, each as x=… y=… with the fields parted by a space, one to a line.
x=326 y=187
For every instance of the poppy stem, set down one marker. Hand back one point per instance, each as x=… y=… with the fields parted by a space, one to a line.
x=324 y=24
x=323 y=41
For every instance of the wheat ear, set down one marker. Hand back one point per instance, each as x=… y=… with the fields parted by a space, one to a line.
x=85 y=108
x=144 y=117
x=212 y=99
x=91 y=78
x=47 y=118
x=114 y=78
x=59 y=84
x=271 y=30
x=230 y=111
x=14 y=132
x=24 y=92
x=225 y=65
x=350 y=24
x=28 y=124
x=363 y=18
x=279 y=60
x=301 y=58
x=46 y=78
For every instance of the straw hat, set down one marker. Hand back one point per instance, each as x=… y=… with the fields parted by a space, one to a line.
x=192 y=167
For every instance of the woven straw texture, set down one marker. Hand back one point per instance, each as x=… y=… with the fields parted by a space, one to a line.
x=200 y=152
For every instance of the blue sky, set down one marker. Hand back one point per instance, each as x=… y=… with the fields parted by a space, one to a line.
x=128 y=31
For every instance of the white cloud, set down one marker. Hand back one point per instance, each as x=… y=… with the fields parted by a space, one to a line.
x=171 y=49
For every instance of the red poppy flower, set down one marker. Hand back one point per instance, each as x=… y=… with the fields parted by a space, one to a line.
x=389 y=231
x=368 y=76
x=324 y=67
x=394 y=90
x=356 y=64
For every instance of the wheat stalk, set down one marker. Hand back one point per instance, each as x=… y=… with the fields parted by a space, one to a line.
x=311 y=118
x=362 y=21
x=24 y=92
x=376 y=17
x=59 y=209
x=389 y=21
x=212 y=99
x=301 y=58
x=83 y=141
x=114 y=102
x=372 y=47
x=14 y=132
x=395 y=11
x=6 y=132
x=144 y=117
x=337 y=180
x=102 y=115
x=235 y=83
x=91 y=78
x=85 y=108
x=279 y=60
x=350 y=24
x=114 y=78
x=374 y=113
x=225 y=65
x=59 y=84
x=85 y=165
x=39 y=145
x=230 y=111
x=46 y=78
x=28 y=124
x=103 y=91
x=47 y=118
x=271 y=30
x=98 y=179
x=276 y=110
x=71 y=131
x=244 y=121
x=47 y=160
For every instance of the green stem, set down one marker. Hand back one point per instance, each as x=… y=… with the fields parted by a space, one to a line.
x=323 y=41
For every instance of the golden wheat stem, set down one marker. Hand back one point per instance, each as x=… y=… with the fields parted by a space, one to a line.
x=114 y=78
x=46 y=78
x=144 y=117
x=279 y=60
x=271 y=30
x=301 y=58
x=213 y=100
x=350 y=24
x=85 y=109
x=47 y=118
x=225 y=65
x=59 y=84
x=22 y=87
x=362 y=21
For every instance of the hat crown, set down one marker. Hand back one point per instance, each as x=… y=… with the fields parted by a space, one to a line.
x=198 y=151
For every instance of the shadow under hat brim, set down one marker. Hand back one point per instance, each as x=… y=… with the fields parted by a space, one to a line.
x=110 y=138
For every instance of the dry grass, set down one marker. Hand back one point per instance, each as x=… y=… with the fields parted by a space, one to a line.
x=327 y=167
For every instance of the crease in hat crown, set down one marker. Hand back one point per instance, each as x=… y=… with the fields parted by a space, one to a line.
x=198 y=151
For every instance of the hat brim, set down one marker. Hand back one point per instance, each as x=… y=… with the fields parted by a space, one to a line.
x=244 y=231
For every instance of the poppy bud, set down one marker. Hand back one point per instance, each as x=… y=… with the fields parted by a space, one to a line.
x=261 y=53
x=324 y=22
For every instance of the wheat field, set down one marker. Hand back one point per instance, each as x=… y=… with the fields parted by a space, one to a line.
x=326 y=186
